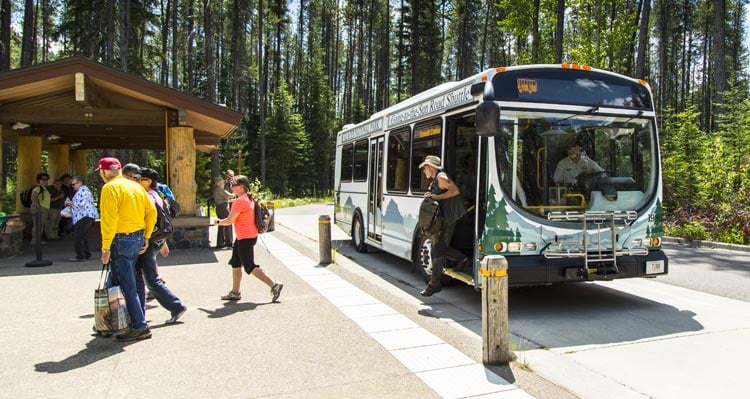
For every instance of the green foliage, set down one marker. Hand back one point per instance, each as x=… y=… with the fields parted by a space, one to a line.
x=690 y=231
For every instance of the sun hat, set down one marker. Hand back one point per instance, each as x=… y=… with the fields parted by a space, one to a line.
x=109 y=163
x=433 y=161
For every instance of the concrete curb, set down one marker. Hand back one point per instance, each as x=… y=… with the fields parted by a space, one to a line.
x=706 y=244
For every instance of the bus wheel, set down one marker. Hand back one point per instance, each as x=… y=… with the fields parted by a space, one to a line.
x=358 y=234
x=423 y=259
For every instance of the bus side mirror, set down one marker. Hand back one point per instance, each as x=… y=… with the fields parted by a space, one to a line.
x=488 y=119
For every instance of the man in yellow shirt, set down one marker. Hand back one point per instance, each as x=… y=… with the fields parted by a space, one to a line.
x=127 y=220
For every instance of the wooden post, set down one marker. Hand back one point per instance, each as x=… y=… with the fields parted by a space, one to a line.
x=181 y=167
x=58 y=160
x=495 y=334
x=324 y=239
x=29 y=164
x=80 y=164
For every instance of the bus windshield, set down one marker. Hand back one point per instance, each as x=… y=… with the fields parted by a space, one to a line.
x=576 y=163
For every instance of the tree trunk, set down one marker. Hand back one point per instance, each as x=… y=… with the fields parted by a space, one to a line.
x=29 y=34
x=559 y=30
x=124 y=34
x=5 y=15
x=640 y=58
x=718 y=58
x=261 y=94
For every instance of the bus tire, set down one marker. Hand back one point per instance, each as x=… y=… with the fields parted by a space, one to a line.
x=358 y=234
x=423 y=259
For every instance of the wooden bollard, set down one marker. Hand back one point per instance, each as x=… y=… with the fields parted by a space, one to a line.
x=324 y=239
x=495 y=334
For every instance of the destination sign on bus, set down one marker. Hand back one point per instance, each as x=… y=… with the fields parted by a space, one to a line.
x=432 y=106
x=526 y=85
x=427 y=132
x=363 y=130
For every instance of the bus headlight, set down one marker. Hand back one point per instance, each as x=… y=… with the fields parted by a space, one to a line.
x=499 y=246
x=514 y=247
x=529 y=246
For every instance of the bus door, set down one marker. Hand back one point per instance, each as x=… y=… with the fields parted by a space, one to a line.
x=461 y=163
x=375 y=190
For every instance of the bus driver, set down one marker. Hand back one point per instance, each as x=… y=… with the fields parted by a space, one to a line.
x=574 y=164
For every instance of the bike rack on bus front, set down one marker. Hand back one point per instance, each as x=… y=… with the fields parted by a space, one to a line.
x=580 y=249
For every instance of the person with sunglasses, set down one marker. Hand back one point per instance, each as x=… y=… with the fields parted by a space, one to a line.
x=40 y=203
x=84 y=215
x=242 y=216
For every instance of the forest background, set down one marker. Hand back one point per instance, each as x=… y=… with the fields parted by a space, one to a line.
x=299 y=70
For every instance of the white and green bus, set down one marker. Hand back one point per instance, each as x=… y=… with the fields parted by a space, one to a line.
x=501 y=135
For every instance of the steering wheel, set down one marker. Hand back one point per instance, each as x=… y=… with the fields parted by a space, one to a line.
x=588 y=181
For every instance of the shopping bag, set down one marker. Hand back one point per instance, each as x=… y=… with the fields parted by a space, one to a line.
x=101 y=304
x=118 y=309
x=66 y=212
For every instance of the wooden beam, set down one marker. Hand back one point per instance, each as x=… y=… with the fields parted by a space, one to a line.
x=86 y=116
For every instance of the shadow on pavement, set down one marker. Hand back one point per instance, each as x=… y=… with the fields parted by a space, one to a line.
x=97 y=349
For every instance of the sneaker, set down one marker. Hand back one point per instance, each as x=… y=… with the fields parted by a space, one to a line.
x=430 y=290
x=276 y=291
x=134 y=335
x=232 y=296
x=176 y=317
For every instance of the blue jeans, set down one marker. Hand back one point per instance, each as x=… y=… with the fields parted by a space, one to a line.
x=122 y=258
x=146 y=268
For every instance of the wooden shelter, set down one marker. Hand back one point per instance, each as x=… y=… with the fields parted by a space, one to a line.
x=67 y=107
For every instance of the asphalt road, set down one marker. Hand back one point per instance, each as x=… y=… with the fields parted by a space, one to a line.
x=677 y=336
x=715 y=271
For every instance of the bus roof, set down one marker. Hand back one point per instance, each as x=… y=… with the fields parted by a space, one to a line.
x=444 y=96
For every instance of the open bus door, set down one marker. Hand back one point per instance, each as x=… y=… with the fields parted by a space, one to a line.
x=375 y=190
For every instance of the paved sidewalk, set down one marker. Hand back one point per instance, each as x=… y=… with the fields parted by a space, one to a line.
x=324 y=339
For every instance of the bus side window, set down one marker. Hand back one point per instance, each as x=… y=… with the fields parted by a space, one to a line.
x=397 y=179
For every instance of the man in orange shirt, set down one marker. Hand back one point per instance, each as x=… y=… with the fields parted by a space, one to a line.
x=127 y=220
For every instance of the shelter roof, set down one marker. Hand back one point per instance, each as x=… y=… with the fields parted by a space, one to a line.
x=88 y=105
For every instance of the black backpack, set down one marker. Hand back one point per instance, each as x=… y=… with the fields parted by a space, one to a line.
x=163 y=228
x=26 y=196
x=262 y=216
x=430 y=217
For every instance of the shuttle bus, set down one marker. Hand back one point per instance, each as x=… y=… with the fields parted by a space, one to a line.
x=501 y=135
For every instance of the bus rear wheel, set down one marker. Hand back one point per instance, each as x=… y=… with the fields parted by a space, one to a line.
x=358 y=234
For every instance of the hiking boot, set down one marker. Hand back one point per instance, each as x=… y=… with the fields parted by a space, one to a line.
x=134 y=335
x=461 y=265
x=276 y=291
x=430 y=290
x=176 y=317
x=232 y=296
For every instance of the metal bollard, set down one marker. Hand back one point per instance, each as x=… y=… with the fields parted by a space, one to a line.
x=495 y=334
x=39 y=262
x=324 y=239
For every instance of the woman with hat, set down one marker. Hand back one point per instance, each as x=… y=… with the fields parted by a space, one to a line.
x=147 y=261
x=443 y=190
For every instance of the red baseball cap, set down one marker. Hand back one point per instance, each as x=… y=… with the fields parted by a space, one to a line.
x=109 y=164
